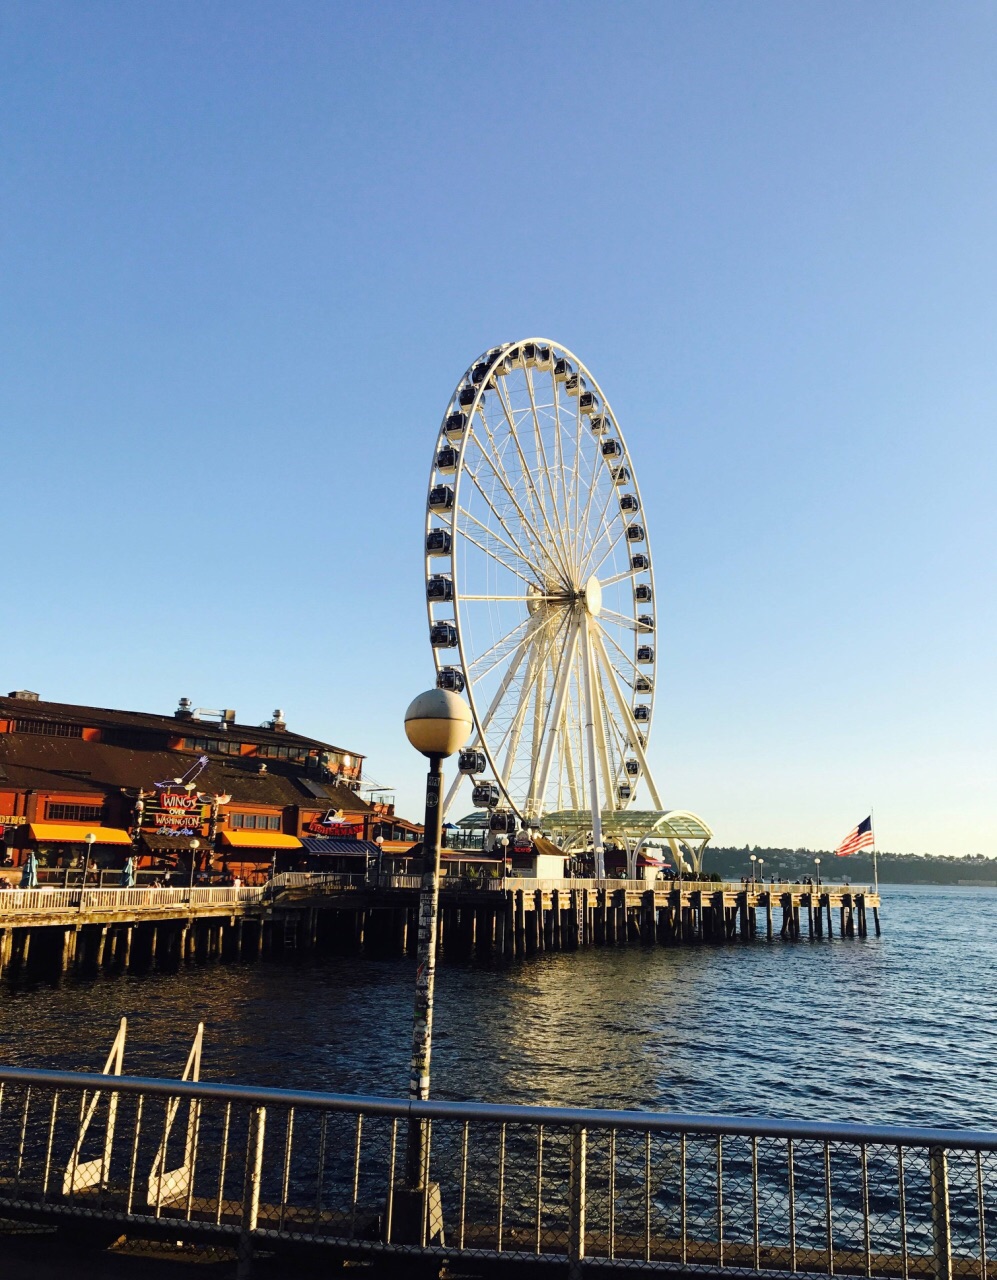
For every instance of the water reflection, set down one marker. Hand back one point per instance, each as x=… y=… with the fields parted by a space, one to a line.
x=902 y=1028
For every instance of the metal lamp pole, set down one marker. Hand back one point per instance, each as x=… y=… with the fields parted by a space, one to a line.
x=437 y=723
x=761 y=872
x=754 y=859
x=379 y=841
x=90 y=838
x=194 y=846
x=817 y=865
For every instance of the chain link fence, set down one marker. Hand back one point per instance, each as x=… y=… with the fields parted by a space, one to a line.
x=243 y=1171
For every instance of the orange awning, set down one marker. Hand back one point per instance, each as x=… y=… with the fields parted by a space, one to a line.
x=75 y=833
x=260 y=840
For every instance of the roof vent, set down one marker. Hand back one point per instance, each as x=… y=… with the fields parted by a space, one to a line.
x=278 y=721
x=24 y=694
x=184 y=710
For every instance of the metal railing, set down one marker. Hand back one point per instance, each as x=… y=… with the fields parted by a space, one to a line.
x=45 y=900
x=314 y=880
x=629 y=1191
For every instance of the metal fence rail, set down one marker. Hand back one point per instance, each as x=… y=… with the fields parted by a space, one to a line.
x=615 y=1191
x=47 y=900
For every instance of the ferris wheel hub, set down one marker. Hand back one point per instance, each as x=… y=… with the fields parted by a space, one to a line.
x=593 y=596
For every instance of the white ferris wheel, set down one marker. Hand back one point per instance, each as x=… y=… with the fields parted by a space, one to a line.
x=540 y=590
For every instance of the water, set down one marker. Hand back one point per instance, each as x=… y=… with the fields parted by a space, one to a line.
x=898 y=1029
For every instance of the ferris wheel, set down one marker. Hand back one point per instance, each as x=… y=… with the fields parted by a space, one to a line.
x=540 y=588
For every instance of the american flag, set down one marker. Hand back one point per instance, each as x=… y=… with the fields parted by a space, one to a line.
x=860 y=838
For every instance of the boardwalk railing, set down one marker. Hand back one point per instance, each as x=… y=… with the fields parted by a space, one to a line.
x=618 y=1191
x=47 y=900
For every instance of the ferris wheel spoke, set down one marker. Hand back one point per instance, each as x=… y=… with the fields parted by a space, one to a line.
x=622 y=652
x=494 y=461
x=497 y=646
x=581 y=531
x=576 y=483
x=555 y=542
x=617 y=577
x=559 y=456
x=603 y=529
x=537 y=660
x=620 y=619
x=631 y=724
x=527 y=478
x=610 y=549
x=515 y=730
x=533 y=537
x=541 y=447
x=516 y=550
x=485 y=722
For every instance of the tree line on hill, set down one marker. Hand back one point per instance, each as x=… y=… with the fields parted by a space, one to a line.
x=894 y=868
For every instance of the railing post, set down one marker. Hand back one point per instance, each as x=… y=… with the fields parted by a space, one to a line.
x=576 y=1208
x=251 y=1191
x=941 y=1233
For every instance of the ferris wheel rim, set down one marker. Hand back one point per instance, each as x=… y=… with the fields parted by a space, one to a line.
x=467 y=660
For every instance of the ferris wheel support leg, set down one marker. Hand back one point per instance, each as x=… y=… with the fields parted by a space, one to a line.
x=632 y=725
x=590 y=712
x=567 y=662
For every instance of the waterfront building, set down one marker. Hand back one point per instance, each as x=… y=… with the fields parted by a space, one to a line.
x=195 y=791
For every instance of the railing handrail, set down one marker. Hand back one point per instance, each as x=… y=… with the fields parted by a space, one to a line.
x=587 y=1117
x=52 y=899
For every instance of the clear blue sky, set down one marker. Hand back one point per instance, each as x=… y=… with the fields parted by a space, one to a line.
x=247 y=249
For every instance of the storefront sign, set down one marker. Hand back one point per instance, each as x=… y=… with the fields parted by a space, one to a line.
x=176 y=813
x=331 y=826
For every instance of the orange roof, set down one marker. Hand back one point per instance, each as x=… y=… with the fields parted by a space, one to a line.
x=76 y=833
x=260 y=840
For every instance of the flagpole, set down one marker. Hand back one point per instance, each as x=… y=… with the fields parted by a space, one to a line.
x=875 y=865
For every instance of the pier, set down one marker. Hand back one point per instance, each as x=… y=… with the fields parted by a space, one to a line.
x=133 y=929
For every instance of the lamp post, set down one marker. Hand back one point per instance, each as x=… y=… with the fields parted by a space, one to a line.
x=761 y=872
x=194 y=846
x=817 y=865
x=754 y=859
x=504 y=846
x=437 y=723
x=90 y=839
x=379 y=841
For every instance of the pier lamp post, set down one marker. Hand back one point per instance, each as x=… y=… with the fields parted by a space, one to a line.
x=379 y=841
x=437 y=723
x=194 y=846
x=90 y=839
x=817 y=865
x=754 y=859
x=761 y=873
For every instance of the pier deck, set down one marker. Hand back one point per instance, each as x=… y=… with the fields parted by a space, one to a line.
x=136 y=928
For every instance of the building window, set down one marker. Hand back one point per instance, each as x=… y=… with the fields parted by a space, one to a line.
x=49 y=728
x=254 y=821
x=73 y=812
x=298 y=754
x=223 y=746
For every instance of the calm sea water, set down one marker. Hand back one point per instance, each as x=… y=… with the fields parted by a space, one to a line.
x=897 y=1029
